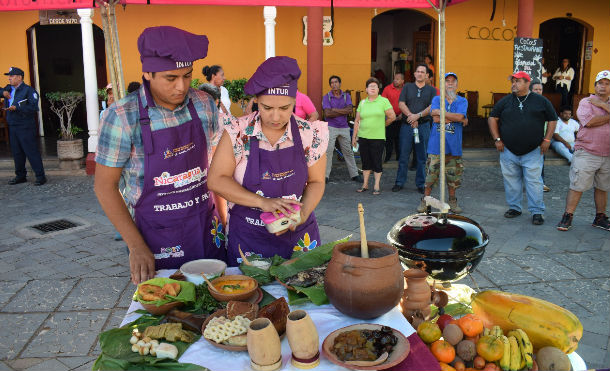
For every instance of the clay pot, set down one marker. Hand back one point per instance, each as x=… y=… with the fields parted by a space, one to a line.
x=364 y=287
x=264 y=345
x=417 y=295
x=303 y=339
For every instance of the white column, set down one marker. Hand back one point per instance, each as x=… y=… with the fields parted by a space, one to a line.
x=93 y=114
x=269 y=13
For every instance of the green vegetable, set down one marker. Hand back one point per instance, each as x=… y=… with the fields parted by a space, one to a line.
x=204 y=301
x=117 y=354
x=232 y=287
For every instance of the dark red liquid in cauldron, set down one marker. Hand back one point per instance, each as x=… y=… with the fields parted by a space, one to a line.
x=454 y=236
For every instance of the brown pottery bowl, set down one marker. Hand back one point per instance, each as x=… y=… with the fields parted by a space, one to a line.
x=399 y=352
x=242 y=296
x=232 y=348
x=161 y=309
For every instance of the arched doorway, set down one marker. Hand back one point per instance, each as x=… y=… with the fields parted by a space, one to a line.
x=56 y=64
x=567 y=38
x=401 y=39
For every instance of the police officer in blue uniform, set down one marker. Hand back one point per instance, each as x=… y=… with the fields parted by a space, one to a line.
x=21 y=105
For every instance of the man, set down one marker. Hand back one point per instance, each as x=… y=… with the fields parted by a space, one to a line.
x=392 y=93
x=337 y=105
x=21 y=105
x=152 y=159
x=522 y=143
x=591 y=161
x=414 y=103
x=456 y=108
x=536 y=87
x=563 y=139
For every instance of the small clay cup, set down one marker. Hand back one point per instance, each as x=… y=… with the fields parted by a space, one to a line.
x=264 y=345
x=303 y=339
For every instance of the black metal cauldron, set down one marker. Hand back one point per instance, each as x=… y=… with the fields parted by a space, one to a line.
x=446 y=246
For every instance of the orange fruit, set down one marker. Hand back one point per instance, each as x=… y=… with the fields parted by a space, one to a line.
x=443 y=351
x=471 y=325
x=429 y=332
x=491 y=348
x=446 y=367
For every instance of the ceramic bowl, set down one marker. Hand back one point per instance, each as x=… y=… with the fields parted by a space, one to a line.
x=242 y=296
x=212 y=268
x=233 y=348
x=161 y=309
x=399 y=352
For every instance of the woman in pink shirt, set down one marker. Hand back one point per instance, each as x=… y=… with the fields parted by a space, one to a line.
x=304 y=108
x=271 y=161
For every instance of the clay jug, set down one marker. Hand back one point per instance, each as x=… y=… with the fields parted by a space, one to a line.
x=264 y=345
x=364 y=287
x=417 y=295
x=303 y=339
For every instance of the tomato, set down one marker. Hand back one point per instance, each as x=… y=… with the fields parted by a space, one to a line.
x=443 y=320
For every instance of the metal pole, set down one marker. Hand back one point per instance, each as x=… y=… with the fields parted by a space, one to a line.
x=441 y=79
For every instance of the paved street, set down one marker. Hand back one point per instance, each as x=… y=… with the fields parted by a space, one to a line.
x=60 y=291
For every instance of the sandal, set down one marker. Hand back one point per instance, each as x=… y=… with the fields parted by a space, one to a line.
x=360 y=190
x=376 y=192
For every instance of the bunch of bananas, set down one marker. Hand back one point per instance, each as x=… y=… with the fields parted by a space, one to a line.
x=518 y=351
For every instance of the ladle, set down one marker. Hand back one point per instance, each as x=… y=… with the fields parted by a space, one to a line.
x=364 y=247
x=382 y=358
x=210 y=283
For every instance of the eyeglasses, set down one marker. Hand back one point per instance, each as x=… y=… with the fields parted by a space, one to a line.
x=419 y=93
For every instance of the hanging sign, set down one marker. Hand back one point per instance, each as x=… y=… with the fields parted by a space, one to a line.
x=51 y=17
x=527 y=55
x=327 y=35
x=588 y=50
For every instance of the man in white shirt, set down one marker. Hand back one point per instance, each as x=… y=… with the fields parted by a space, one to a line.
x=564 y=138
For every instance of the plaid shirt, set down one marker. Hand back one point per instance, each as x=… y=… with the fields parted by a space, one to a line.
x=120 y=139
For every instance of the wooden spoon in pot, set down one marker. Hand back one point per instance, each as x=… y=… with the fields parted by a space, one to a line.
x=243 y=257
x=210 y=285
x=364 y=247
x=382 y=358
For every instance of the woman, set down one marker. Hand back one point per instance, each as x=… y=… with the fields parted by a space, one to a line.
x=270 y=161
x=372 y=116
x=216 y=76
x=563 y=77
x=429 y=62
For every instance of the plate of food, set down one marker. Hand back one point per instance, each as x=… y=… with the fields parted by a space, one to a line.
x=233 y=287
x=378 y=347
x=227 y=328
x=160 y=295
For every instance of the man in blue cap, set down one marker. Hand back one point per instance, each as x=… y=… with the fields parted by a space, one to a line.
x=455 y=119
x=21 y=105
x=152 y=159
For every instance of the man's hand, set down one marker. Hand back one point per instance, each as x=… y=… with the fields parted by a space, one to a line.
x=499 y=146
x=544 y=146
x=12 y=108
x=568 y=146
x=412 y=117
x=141 y=264
x=6 y=94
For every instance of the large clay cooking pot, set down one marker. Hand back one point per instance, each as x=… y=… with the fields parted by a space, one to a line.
x=364 y=287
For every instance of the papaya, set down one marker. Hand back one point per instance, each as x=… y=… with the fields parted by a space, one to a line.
x=546 y=324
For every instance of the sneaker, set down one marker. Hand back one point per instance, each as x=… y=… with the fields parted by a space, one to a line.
x=17 y=180
x=454 y=206
x=40 y=181
x=545 y=188
x=537 y=219
x=566 y=222
x=422 y=206
x=421 y=190
x=512 y=213
x=396 y=188
x=601 y=221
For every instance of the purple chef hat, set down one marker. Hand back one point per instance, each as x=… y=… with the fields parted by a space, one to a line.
x=166 y=48
x=275 y=76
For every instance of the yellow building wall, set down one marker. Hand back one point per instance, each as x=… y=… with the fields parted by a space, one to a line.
x=237 y=39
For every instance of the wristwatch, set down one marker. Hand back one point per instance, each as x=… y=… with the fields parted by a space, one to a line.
x=497 y=139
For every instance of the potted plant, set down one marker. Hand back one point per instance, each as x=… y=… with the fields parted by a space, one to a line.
x=236 y=92
x=69 y=150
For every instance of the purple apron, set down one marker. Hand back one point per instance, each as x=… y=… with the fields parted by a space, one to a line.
x=175 y=213
x=272 y=174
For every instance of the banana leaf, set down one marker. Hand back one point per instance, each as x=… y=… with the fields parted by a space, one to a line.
x=186 y=294
x=315 y=294
x=117 y=355
x=263 y=276
x=304 y=261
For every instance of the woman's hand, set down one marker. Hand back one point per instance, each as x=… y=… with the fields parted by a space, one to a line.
x=279 y=205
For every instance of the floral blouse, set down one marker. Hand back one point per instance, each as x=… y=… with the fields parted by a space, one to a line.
x=314 y=136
